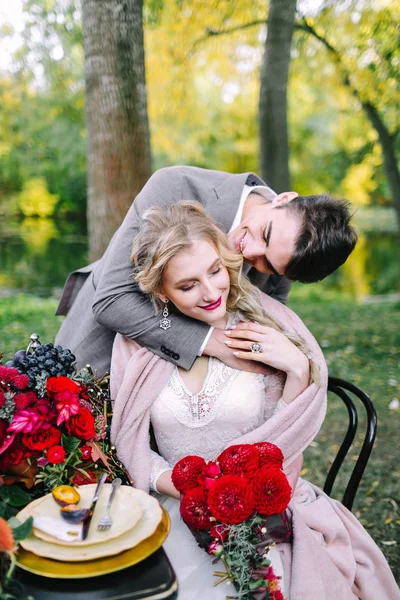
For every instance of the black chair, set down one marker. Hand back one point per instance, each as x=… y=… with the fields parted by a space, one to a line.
x=346 y=391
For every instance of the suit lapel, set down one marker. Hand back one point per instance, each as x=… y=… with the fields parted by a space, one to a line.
x=225 y=203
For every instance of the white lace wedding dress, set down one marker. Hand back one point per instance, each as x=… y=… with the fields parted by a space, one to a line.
x=230 y=403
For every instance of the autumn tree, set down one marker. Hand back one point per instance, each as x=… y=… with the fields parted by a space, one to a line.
x=118 y=142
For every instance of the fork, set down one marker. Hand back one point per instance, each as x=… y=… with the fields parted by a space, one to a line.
x=106 y=521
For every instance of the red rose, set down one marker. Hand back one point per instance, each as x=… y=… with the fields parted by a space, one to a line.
x=270 y=454
x=271 y=491
x=81 y=425
x=209 y=474
x=186 y=473
x=55 y=455
x=12 y=457
x=231 y=499
x=54 y=385
x=80 y=479
x=86 y=452
x=43 y=439
x=194 y=509
x=241 y=459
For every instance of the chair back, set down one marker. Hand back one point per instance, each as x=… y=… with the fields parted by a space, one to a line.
x=347 y=391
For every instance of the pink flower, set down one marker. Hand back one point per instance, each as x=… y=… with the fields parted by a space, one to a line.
x=67 y=404
x=42 y=461
x=212 y=470
x=25 y=420
x=215 y=549
x=32 y=419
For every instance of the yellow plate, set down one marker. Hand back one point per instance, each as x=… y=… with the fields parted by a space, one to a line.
x=126 y=511
x=94 y=568
x=146 y=526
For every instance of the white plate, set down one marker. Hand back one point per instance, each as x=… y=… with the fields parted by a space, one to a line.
x=125 y=512
x=75 y=552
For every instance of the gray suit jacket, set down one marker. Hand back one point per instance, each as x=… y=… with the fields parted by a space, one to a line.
x=102 y=298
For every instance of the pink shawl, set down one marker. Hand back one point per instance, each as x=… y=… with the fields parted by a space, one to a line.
x=332 y=557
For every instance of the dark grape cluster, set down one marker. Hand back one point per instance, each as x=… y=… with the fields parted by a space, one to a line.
x=44 y=360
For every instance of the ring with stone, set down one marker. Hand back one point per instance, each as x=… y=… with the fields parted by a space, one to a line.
x=255 y=347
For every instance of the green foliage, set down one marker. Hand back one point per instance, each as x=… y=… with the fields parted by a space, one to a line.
x=21 y=530
x=14 y=495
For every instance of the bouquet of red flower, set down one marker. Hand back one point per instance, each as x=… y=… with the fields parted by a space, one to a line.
x=53 y=422
x=234 y=507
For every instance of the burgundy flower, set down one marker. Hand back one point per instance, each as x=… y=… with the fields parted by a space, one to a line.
x=24 y=399
x=55 y=455
x=270 y=454
x=231 y=499
x=271 y=491
x=186 y=472
x=240 y=459
x=20 y=382
x=2 y=399
x=7 y=374
x=194 y=509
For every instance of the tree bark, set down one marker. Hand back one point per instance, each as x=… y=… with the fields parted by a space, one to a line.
x=118 y=140
x=273 y=129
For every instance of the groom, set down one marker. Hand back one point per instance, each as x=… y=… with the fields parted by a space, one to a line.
x=282 y=238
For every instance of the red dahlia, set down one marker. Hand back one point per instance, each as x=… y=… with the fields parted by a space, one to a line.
x=271 y=491
x=270 y=455
x=231 y=499
x=186 y=473
x=241 y=459
x=194 y=509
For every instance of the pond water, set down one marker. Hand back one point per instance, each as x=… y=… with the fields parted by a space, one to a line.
x=36 y=255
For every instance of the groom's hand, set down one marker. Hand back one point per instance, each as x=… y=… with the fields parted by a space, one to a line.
x=216 y=347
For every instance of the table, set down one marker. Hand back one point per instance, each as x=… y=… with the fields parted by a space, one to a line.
x=152 y=579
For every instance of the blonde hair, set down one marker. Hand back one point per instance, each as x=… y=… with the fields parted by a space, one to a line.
x=167 y=230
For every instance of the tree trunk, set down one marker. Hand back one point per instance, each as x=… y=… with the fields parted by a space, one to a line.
x=274 y=147
x=390 y=164
x=118 y=141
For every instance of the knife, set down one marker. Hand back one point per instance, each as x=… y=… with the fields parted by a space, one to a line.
x=88 y=519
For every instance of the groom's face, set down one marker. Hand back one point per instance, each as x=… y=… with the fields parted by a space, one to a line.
x=266 y=237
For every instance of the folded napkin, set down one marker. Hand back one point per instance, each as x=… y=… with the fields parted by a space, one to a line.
x=63 y=531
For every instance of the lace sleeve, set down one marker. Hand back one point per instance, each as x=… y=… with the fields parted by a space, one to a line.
x=158 y=466
x=273 y=386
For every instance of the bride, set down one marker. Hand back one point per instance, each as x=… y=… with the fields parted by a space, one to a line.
x=182 y=260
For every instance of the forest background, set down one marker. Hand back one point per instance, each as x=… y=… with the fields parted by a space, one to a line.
x=203 y=65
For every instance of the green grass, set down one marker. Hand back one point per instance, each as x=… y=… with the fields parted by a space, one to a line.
x=361 y=343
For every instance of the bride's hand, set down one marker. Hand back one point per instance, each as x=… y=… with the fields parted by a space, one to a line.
x=275 y=349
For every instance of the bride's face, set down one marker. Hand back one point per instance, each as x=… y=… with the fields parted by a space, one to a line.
x=197 y=283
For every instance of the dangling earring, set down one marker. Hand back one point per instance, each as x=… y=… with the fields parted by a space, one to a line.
x=165 y=323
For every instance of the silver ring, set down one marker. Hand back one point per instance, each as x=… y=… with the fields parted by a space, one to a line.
x=255 y=347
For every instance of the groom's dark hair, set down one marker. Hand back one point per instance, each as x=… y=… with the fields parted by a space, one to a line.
x=325 y=239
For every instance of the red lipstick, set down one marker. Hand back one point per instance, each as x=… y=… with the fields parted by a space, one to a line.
x=214 y=305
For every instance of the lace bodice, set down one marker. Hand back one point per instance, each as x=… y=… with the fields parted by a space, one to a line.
x=230 y=404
